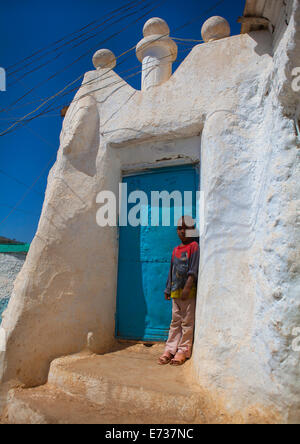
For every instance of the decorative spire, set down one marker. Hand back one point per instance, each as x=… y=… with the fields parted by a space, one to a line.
x=215 y=28
x=104 y=58
x=157 y=51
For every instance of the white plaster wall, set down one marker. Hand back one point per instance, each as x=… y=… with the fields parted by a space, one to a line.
x=249 y=305
x=228 y=93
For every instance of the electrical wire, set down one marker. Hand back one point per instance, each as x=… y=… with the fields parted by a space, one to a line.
x=83 y=55
x=20 y=210
x=18 y=181
x=23 y=121
x=74 y=46
x=174 y=38
x=57 y=94
x=30 y=188
x=66 y=36
x=14 y=208
x=181 y=27
x=187 y=40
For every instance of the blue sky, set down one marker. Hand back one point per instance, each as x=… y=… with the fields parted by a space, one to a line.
x=26 y=26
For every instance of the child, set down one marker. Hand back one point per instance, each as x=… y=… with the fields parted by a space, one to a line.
x=182 y=288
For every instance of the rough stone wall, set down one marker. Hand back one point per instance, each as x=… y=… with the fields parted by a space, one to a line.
x=10 y=266
x=249 y=284
x=235 y=95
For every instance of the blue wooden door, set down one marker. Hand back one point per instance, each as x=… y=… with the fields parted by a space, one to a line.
x=144 y=258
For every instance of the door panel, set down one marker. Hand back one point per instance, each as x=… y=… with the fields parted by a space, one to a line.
x=144 y=259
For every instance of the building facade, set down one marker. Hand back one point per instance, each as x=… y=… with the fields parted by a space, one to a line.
x=232 y=108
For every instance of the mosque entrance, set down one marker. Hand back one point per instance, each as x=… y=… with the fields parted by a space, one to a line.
x=145 y=250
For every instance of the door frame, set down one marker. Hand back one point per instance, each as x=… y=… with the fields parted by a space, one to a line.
x=139 y=172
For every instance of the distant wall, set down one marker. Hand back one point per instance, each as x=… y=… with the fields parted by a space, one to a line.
x=10 y=266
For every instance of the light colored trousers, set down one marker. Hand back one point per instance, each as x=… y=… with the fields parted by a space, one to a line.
x=181 y=332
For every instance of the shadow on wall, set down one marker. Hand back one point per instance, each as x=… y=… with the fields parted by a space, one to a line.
x=263 y=41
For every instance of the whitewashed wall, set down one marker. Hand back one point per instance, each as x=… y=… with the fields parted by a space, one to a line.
x=236 y=95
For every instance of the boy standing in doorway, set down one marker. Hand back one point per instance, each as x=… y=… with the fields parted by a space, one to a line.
x=182 y=288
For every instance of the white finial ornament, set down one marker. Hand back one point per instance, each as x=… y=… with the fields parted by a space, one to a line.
x=154 y=26
x=215 y=28
x=157 y=51
x=104 y=58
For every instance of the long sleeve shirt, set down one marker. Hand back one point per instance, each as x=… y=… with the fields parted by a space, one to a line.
x=184 y=263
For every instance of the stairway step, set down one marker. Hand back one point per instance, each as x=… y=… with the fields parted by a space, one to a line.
x=48 y=405
x=130 y=380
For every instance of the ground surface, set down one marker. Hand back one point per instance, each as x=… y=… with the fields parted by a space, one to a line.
x=124 y=386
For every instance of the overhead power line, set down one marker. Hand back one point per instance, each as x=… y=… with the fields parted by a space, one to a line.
x=14 y=208
x=63 y=90
x=82 y=41
x=30 y=188
x=18 y=209
x=65 y=37
x=47 y=166
x=33 y=102
x=18 y=181
x=187 y=40
x=28 y=119
x=157 y=3
x=48 y=110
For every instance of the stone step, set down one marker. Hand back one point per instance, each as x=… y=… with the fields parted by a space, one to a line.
x=126 y=386
x=48 y=405
x=130 y=380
